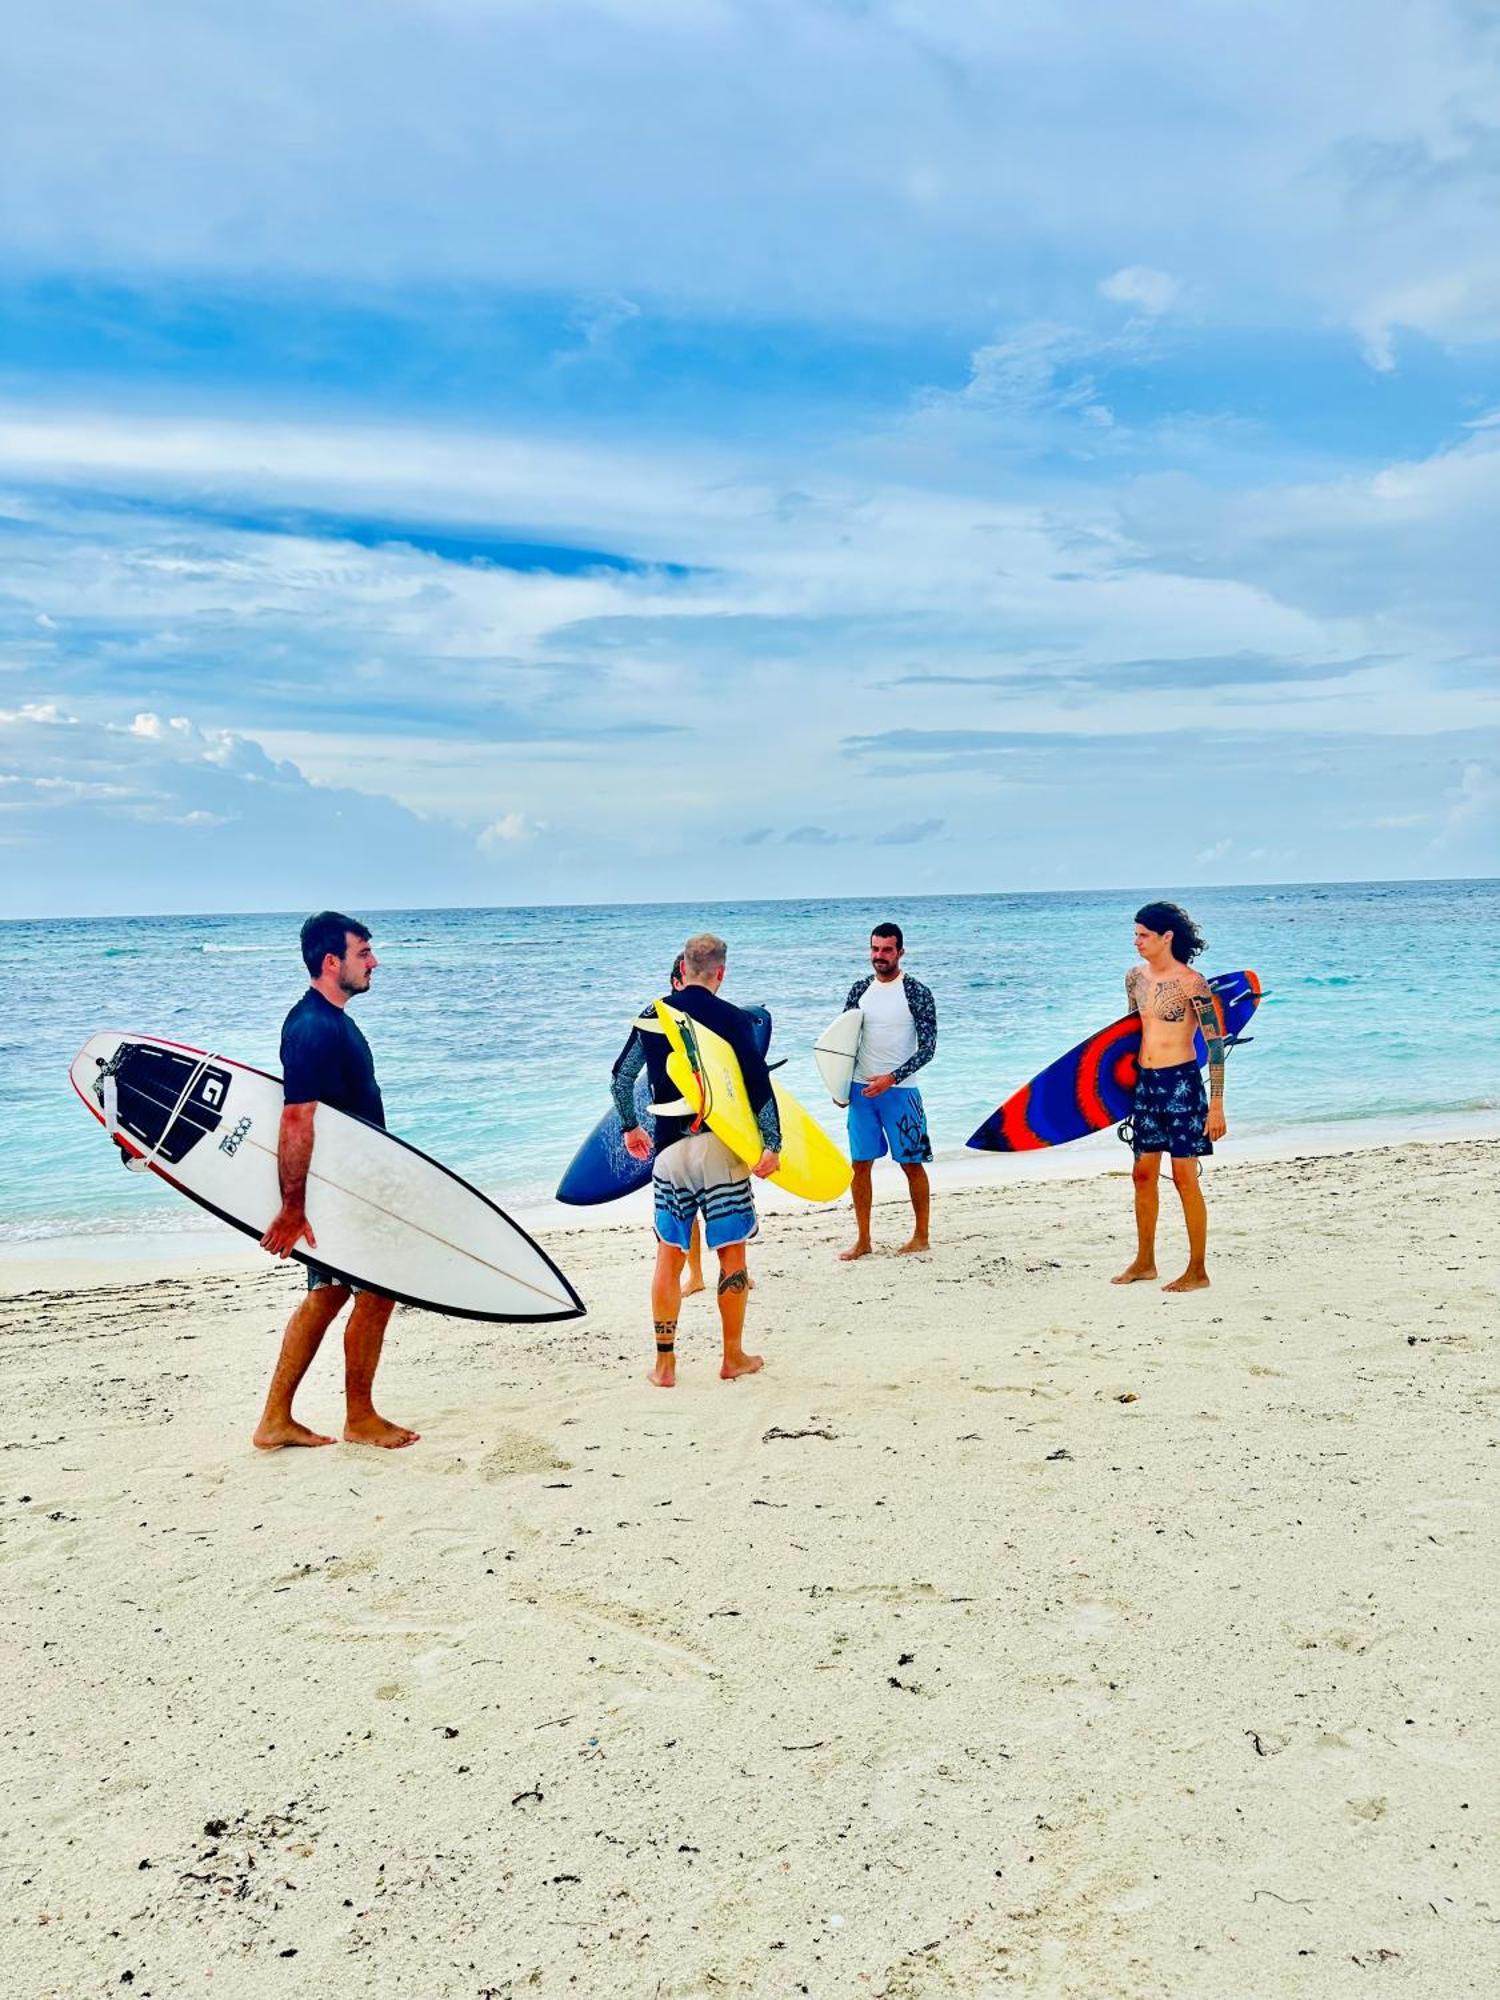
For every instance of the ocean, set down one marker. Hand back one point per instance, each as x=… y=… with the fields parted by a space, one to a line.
x=494 y=1030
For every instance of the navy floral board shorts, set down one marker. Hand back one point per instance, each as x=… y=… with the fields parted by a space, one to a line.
x=1170 y=1113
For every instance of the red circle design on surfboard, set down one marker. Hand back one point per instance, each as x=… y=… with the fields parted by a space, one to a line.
x=1015 y=1123
x=1091 y=1060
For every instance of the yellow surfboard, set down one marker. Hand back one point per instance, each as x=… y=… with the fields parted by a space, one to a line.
x=706 y=1070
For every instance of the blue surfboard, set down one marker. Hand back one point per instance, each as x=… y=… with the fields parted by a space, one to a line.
x=601 y=1169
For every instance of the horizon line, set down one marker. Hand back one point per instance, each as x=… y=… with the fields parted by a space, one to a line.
x=706 y=902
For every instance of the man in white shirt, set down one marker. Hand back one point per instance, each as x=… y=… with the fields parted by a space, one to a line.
x=885 y=1114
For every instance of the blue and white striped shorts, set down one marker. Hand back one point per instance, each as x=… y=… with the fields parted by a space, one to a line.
x=699 y=1175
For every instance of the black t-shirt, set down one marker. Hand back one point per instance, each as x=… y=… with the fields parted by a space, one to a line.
x=326 y=1060
x=725 y=1020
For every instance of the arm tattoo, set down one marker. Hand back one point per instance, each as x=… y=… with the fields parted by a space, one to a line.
x=1213 y=1036
x=628 y=1065
x=768 y=1124
x=1132 y=989
x=924 y=1019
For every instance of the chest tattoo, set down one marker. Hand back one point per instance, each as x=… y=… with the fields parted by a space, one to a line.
x=1170 y=1001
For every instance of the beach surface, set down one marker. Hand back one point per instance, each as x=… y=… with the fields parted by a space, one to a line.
x=1011 y=1633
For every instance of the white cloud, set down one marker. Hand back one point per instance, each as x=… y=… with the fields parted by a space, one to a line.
x=46 y=713
x=1154 y=292
x=913 y=585
x=1472 y=806
x=125 y=817
x=506 y=831
x=1035 y=368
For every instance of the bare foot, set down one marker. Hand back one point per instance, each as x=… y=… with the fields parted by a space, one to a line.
x=277 y=1436
x=860 y=1249
x=1134 y=1274
x=741 y=1364
x=1190 y=1281
x=692 y=1285
x=916 y=1248
x=375 y=1430
x=664 y=1374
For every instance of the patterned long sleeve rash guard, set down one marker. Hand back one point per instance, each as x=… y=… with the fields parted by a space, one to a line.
x=924 y=1020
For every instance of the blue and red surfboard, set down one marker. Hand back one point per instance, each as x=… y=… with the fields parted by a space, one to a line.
x=1093 y=1085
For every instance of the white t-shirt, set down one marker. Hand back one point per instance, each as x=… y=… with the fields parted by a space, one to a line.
x=890 y=1036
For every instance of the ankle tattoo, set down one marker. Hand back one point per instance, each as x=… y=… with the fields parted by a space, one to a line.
x=666 y=1335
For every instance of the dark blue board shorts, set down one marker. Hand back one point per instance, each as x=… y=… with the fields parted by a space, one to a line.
x=318 y=1277
x=1170 y=1113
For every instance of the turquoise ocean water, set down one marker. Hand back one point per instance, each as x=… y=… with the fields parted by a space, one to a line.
x=494 y=1030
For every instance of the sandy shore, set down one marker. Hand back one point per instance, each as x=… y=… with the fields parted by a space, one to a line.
x=1009 y=1634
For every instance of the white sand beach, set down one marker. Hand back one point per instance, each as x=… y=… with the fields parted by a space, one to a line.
x=1009 y=1634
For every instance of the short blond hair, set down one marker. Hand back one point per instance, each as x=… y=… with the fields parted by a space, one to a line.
x=703 y=954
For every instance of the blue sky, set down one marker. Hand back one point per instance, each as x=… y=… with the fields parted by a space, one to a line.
x=480 y=452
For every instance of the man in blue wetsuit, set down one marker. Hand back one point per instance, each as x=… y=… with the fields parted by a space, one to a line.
x=326 y=1060
x=885 y=1112
x=695 y=1173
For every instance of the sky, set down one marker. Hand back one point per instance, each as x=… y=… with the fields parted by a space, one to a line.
x=467 y=452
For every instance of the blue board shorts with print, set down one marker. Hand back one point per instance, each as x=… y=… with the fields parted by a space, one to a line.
x=894 y=1123
x=318 y=1277
x=1170 y=1113
x=698 y=1175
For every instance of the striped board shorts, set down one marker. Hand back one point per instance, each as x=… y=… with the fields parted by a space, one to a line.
x=699 y=1175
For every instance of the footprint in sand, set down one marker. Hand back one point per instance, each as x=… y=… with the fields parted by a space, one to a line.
x=1366 y=1809
x=518 y=1452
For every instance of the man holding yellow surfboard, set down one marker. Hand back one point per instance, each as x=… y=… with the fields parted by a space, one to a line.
x=696 y=1173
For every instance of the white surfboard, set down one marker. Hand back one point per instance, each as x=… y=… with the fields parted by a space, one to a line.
x=836 y=1051
x=384 y=1215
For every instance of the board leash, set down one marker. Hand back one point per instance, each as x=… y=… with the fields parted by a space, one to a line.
x=695 y=1059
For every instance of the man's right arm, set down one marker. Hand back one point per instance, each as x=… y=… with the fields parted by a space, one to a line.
x=1132 y=990
x=293 y=1158
x=628 y=1065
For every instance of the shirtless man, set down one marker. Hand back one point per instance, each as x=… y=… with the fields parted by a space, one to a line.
x=1172 y=1113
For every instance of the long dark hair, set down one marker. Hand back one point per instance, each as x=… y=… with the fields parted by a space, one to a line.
x=1187 y=939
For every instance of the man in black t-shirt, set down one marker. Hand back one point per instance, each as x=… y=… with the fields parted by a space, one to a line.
x=326 y=1060
x=695 y=1174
